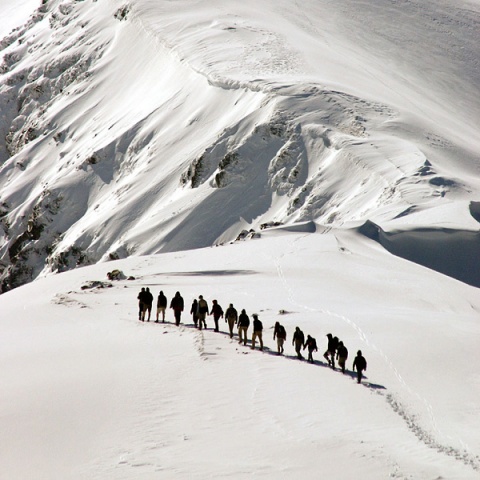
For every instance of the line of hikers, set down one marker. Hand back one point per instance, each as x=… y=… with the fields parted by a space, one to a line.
x=199 y=311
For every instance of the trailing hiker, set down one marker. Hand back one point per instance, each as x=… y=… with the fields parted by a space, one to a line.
x=177 y=305
x=243 y=324
x=280 y=333
x=360 y=364
x=342 y=355
x=161 y=305
x=329 y=355
x=298 y=340
x=194 y=312
x=311 y=344
x=141 y=304
x=231 y=317
x=202 y=312
x=257 y=332
x=217 y=313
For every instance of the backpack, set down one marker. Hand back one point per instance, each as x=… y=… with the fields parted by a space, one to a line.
x=281 y=332
x=202 y=306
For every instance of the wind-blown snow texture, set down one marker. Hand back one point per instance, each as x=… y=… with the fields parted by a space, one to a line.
x=150 y=126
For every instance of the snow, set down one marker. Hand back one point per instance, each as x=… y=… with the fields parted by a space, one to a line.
x=15 y=14
x=91 y=392
x=338 y=139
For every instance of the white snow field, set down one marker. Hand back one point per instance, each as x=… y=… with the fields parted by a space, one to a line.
x=316 y=162
x=90 y=392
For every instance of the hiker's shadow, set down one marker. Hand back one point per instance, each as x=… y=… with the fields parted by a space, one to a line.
x=268 y=351
x=320 y=363
x=295 y=358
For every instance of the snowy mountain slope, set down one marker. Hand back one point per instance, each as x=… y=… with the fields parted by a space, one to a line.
x=90 y=392
x=141 y=127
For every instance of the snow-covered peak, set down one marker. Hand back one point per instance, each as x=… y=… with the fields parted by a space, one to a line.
x=148 y=126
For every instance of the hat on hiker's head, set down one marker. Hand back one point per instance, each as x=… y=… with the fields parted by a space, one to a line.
x=214 y=301
x=329 y=335
x=231 y=305
x=254 y=315
x=359 y=352
x=200 y=296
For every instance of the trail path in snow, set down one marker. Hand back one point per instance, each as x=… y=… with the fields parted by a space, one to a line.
x=466 y=457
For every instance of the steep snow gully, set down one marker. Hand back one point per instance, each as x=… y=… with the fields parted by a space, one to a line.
x=125 y=127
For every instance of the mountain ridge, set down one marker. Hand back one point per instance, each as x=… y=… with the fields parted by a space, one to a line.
x=127 y=129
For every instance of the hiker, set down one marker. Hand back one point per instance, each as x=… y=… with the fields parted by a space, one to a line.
x=161 y=306
x=231 y=317
x=217 y=312
x=311 y=344
x=243 y=324
x=202 y=312
x=257 y=331
x=194 y=312
x=141 y=304
x=298 y=340
x=280 y=333
x=342 y=355
x=177 y=305
x=329 y=355
x=360 y=364
x=148 y=302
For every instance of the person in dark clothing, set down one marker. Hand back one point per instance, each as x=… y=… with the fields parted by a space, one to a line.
x=299 y=341
x=280 y=334
x=141 y=304
x=329 y=355
x=148 y=301
x=194 y=312
x=257 y=331
x=177 y=305
x=243 y=324
x=360 y=364
x=217 y=313
x=161 y=306
x=311 y=344
x=342 y=355
x=231 y=316
x=202 y=312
